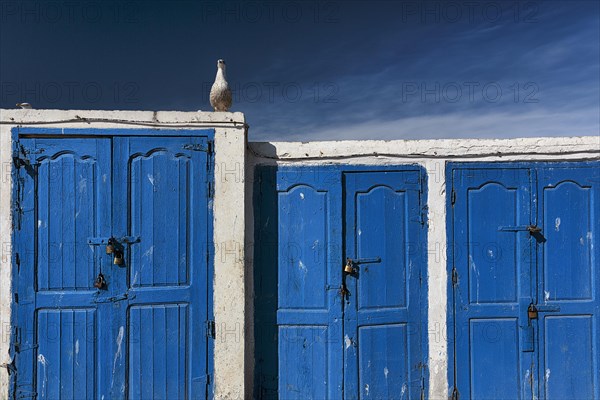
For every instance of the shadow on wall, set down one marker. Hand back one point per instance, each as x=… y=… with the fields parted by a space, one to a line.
x=265 y=283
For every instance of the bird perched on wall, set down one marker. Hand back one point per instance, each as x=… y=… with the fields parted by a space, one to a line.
x=25 y=106
x=220 y=94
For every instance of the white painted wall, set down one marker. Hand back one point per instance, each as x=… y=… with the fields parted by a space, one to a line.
x=233 y=351
x=433 y=156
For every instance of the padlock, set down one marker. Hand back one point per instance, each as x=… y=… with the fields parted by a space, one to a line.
x=532 y=312
x=100 y=282
x=348 y=268
x=110 y=247
x=118 y=260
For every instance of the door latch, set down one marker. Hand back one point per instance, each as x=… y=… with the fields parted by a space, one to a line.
x=532 y=229
x=532 y=310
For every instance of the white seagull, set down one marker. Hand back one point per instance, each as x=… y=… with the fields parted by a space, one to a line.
x=220 y=94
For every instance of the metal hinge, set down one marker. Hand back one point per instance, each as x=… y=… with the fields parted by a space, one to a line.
x=18 y=262
x=20 y=153
x=10 y=367
x=454 y=276
x=453 y=197
x=211 y=189
x=424 y=210
x=211 y=331
x=16 y=339
x=17 y=208
x=208 y=148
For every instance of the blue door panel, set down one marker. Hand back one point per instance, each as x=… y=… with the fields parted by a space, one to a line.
x=384 y=357
x=67 y=355
x=303 y=218
x=158 y=350
x=492 y=266
x=159 y=184
x=570 y=357
x=304 y=362
x=69 y=183
x=143 y=334
x=494 y=359
x=382 y=232
x=568 y=219
x=524 y=238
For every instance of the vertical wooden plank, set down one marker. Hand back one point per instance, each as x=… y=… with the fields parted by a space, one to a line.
x=135 y=353
x=172 y=353
x=159 y=348
x=66 y=354
x=43 y=225
x=147 y=332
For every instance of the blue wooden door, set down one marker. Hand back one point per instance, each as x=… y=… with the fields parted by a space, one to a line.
x=524 y=277
x=309 y=311
x=492 y=259
x=383 y=354
x=141 y=335
x=64 y=331
x=353 y=335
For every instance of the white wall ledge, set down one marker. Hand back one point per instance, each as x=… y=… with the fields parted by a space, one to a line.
x=437 y=148
x=35 y=116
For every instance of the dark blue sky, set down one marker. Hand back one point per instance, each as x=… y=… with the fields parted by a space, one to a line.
x=305 y=70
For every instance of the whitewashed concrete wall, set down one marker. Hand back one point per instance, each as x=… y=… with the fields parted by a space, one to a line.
x=433 y=156
x=233 y=351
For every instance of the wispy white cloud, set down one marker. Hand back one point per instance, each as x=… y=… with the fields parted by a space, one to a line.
x=584 y=122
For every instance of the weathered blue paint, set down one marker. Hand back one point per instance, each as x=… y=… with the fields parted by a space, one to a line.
x=501 y=269
x=144 y=336
x=316 y=331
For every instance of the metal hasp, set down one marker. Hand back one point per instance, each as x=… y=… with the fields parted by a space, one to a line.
x=532 y=310
x=115 y=246
x=529 y=228
x=350 y=266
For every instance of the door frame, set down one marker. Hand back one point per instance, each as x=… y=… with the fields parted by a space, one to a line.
x=478 y=165
x=18 y=235
x=338 y=170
